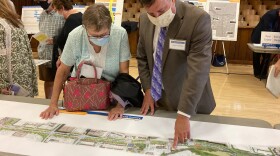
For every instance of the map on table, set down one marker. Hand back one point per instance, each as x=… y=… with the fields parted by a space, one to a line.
x=148 y=145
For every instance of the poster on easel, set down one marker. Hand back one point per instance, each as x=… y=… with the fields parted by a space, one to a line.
x=224 y=19
x=30 y=18
x=31 y=15
x=198 y=3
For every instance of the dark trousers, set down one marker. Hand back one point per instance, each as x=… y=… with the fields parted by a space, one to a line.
x=261 y=65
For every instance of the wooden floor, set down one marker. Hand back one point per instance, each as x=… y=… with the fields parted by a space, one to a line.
x=238 y=94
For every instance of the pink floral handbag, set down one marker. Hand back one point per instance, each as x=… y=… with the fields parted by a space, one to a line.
x=86 y=93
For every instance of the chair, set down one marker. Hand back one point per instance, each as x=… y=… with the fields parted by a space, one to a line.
x=136 y=5
x=244 y=2
x=241 y=18
x=133 y=20
x=245 y=6
x=252 y=18
x=260 y=7
x=248 y=12
x=253 y=23
x=269 y=3
x=126 y=5
x=262 y=12
x=130 y=1
x=256 y=4
x=137 y=15
x=132 y=10
x=143 y=10
x=126 y=16
x=242 y=24
x=274 y=7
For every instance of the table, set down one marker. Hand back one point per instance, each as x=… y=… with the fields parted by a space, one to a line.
x=162 y=113
x=258 y=49
x=277 y=126
x=159 y=113
x=262 y=49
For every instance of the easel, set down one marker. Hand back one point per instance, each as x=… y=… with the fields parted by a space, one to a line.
x=224 y=50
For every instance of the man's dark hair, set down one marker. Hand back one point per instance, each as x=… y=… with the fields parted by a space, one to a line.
x=277 y=23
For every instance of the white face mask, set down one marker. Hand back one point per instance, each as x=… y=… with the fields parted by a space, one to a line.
x=163 y=20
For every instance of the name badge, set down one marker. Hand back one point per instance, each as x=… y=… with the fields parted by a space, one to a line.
x=177 y=44
x=3 y=52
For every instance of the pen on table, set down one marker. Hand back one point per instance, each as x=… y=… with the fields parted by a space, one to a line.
x=124 y=115
x=62 y=110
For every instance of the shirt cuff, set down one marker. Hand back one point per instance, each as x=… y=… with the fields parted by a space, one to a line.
x=120 y=100
x=184 y=114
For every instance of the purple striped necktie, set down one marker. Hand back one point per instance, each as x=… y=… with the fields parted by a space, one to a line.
x=157 y=70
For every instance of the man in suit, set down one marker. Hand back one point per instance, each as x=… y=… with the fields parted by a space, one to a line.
x=270 y=21
x=174 y=55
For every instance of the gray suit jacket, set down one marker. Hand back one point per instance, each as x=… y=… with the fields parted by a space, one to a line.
x=185 y=74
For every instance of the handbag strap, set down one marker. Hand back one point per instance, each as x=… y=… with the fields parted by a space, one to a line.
x=80 y=68
x=8 y=41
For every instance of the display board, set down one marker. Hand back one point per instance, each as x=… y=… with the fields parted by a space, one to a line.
x=224 y=17
x=31 y=14
x=30 y=18
x=22 y=131
x=115 y=7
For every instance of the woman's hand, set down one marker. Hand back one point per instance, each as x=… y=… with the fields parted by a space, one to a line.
x=49 y=41
x=50 y=112
x=116 y=112
x=58 y=62
x=277 y=68
x=5 y=91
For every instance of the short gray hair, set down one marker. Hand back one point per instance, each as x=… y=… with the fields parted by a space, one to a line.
x=97 y=16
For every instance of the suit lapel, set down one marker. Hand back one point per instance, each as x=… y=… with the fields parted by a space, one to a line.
x=149 y=38
x=149 y=41
x=173 y=29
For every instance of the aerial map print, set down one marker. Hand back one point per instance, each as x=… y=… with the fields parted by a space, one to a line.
x=61 y=133
x=224 y=20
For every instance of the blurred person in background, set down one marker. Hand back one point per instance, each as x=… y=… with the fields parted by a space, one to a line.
x=73 y=19
x=17 y=68
x=270 y=21
x=50 y=23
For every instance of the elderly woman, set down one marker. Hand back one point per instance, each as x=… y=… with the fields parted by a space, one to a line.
x=99 y=41
x=17 y=69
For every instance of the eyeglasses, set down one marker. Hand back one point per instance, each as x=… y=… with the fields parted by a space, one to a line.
x=100 y=36
x=106 y=35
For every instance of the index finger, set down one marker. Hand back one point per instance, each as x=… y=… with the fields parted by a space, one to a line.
x=57 y=112
x=144 y=109
x=175 y=141
x=152 y=109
